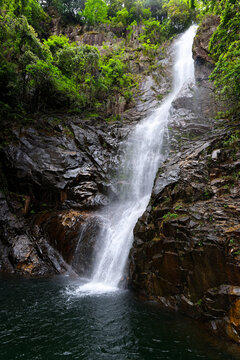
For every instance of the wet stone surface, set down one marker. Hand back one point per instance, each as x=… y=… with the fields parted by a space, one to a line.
x=187 y=244
x=53 y=179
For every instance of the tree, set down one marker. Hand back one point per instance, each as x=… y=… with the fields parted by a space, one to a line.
x=156 y=7
x=95 y=12
x=224 y=48
x=114 y=6
x=121 y=18
x=179 y=16
x=192 y=4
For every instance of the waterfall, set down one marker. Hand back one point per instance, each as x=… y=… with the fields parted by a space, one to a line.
x=145 y=150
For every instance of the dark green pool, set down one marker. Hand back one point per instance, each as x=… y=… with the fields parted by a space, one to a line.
x=40 y=320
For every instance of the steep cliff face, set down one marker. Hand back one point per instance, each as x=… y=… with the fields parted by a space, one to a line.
x=186 y=248
x=53 y=179
x=58 y=172
x=186 y=251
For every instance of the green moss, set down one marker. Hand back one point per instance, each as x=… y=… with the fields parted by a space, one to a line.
x=169 y=216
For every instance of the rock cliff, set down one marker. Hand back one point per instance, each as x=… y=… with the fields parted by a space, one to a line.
x=53 y=177
x=57 y=172
x=186 y=247
x=56 y=175
x=186 y=251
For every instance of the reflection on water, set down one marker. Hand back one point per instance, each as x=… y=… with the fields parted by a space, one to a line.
x=46 y=319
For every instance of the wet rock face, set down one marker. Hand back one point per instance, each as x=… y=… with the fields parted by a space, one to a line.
x=187 y=244
x=53 y=179
x=72 y=165
x=87 y=246
x=74 y=235
x=24 y=251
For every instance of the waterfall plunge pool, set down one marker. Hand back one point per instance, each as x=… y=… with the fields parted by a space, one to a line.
x=62 y=318
x=48 y=319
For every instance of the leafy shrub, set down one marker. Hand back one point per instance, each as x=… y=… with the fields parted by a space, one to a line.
x=95 y=12
x=122 y=17
x=179 y=17
x=224 y=48
x=226 y=74
x=56 y=42
x=31 y=9
x=48 y=87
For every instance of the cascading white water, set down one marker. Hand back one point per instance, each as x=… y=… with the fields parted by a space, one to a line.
x=144 y=154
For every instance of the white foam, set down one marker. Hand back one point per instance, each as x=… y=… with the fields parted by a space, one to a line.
x=92 y=288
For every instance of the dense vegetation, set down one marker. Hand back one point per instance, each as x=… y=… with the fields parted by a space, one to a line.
x=224 y=48
x=40 y=71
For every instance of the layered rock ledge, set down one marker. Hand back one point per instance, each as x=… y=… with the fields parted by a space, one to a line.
x=187 y=244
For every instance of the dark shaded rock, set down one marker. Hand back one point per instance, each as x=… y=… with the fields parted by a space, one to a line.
x=22 y=250
x=74 y=165
x=74 y=234
x=188 y=254
x=62 y=229
x=55 y=173
x=87 y=246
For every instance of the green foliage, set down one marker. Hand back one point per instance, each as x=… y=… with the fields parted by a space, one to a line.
x=169 y=216
x=52 y=73
x=138 y=12
x=28 y=8
x=55 y=43
x=175 y=17
x=48 y=87
x=152 y=32
x=78 y=61
x=17 y=36
x=192 y=4
x=228 y=29
x=95 y=12
x=20 y=47
x=151 y=37
x=8 y=83
x=122 y=17
x=113 y=7
x=232 y=139
x=115 y=81
x=224 y=48
x=156 y=7
x=68 y=9
x=113 y=71
x=178 y=207
x=179 y=16
x=115 y=78
x=81 y=65
x=28 y=79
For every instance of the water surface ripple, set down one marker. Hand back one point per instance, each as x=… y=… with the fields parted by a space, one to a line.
x=39 y=319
